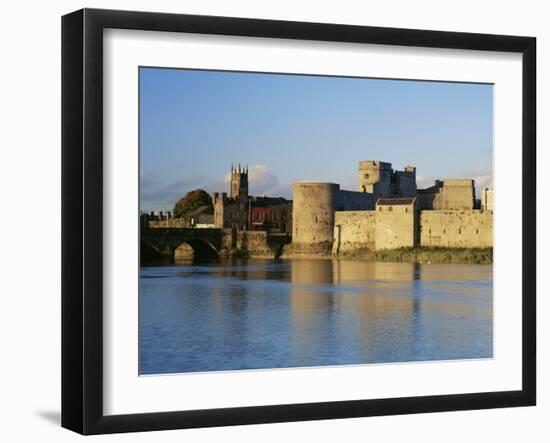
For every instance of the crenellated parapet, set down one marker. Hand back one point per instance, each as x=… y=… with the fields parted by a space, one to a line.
x=379 y=178
x=449 y=194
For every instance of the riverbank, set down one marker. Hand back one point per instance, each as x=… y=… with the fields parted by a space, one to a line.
x=407 y=255
x=426 y=255
x=402 y=255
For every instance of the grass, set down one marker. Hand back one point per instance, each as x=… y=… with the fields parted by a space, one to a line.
x=427 y=255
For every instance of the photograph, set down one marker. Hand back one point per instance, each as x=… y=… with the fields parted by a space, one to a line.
x=275 y=221
x=298 y=221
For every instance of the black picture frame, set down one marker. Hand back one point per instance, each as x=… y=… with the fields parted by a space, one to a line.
x=82 y=218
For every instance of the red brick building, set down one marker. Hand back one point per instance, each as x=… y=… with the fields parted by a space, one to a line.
x=270 y=214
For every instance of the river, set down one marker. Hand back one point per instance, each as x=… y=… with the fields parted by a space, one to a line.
x=254 y=314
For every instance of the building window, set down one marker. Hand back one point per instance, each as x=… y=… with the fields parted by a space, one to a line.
x=406 y=209
x=366 y=175
x=390 y=209
x=315 y=218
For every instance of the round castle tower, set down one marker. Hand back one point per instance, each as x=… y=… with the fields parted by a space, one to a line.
x=313 y=209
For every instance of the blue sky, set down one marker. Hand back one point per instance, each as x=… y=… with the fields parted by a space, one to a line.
x=194 y=124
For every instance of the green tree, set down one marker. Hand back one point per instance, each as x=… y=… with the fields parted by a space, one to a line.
x=193 y=200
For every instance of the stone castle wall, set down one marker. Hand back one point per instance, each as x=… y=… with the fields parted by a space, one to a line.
x=354 y=231
x=456 y=194
x=456 y=229
x=254 y=242
x=448 y=194
x=395 y=227
x=354 y=201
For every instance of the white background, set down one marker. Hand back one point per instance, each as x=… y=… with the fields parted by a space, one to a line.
x=126 y=393
x=30 y=191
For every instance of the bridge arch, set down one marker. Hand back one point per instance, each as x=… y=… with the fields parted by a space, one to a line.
x=157 y=249
x=201 y=248
x=148 y=250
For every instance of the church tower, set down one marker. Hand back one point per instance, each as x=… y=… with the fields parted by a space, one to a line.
x=239 y=182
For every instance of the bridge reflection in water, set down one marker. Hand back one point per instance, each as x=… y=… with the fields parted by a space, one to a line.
x=306 y=312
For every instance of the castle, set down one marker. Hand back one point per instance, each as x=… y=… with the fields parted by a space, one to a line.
x=388 y=212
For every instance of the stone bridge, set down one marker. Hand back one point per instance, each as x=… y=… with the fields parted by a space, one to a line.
x=210 y=243
x=163 y=242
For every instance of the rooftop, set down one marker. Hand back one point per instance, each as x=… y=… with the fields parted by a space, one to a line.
x=269 y=201
x=199 y=211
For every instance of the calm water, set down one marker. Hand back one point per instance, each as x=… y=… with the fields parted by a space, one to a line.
x=307 y=312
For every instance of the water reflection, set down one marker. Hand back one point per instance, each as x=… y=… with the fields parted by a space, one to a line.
x=305 y=312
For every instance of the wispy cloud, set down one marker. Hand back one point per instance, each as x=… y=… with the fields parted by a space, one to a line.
x=424 y=182
x=261 y=180
x=283 y=190
x=154 y=195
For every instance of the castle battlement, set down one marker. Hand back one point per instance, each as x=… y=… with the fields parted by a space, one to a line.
x=379 y=178
x=456 y=182
x=374 y=164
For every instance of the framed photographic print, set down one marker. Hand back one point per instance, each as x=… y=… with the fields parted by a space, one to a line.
x=269 y=221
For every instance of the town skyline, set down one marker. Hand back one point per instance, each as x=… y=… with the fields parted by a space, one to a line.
x=195 y=124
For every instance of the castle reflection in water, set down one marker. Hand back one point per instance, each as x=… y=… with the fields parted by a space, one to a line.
x=311 y=312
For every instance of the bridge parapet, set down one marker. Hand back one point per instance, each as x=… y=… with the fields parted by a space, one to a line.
x=214 y=241
x=192 y=232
